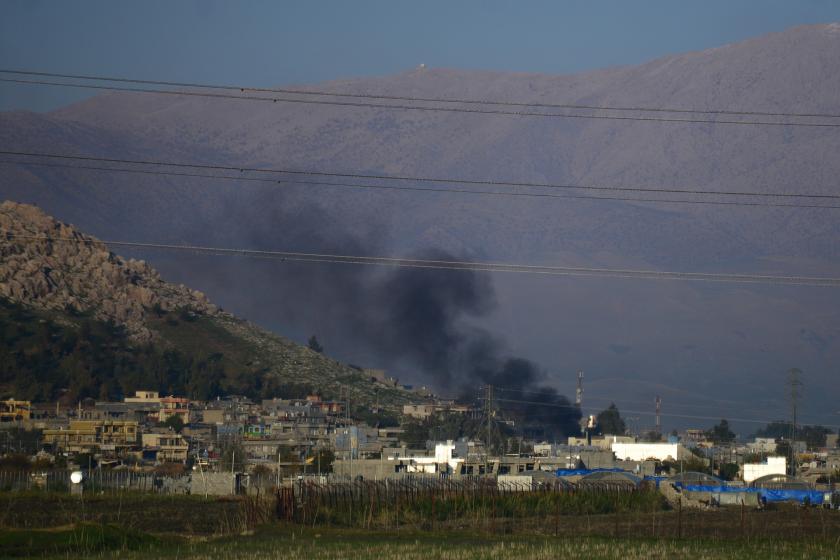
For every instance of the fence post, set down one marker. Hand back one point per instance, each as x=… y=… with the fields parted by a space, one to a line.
x=679 y=518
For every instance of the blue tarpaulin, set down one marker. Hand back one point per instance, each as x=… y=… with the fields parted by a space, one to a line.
x=814 y=497
x=717 y=489
x=656 y=479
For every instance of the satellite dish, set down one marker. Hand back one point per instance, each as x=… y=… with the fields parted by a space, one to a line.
x=76 y=477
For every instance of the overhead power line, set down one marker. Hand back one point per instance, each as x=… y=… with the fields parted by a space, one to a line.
x=405 y=262
x=643 y=412
x=416 y=179
x=327 y=93
x=394 y=106
x=409 y=188
x=671 y=403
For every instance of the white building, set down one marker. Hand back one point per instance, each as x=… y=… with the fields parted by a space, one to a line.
x=447 y=458
x=645 y=451
x=773 y=465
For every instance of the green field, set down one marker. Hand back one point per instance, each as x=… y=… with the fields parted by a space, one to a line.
x=92 y=541
x=140 y=526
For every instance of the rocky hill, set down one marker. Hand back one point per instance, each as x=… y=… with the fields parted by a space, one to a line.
x=50 y=265
x=52 y=274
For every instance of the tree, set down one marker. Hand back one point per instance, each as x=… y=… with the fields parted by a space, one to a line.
x=261 y=471
x=321 y=461
x=175 y=423
x=784 y=449
x=609 y=421
x=721 y=433
x=233 y=458
x=415 y=434
x=652 y=436
x=314 y=345
x=379 y=419
x=728 y=471
x=86 y=460
x=813 y=436
x=15 y=462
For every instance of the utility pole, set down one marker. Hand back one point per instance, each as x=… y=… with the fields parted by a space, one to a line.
x=488 y=418
x=794 y=384
x=658 y=411
x=488 y=411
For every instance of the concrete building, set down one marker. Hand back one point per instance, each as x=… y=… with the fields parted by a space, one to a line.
x=602 y=442
x=174 y=406
x=327 y=407
x=348 y=441
x=15 y=411
x=772 y=465
x=762 y=445
x=447 y=458
x=645 y=451
x=86 y=436
x=166 y=447
x=419 y=411
x=549 y=449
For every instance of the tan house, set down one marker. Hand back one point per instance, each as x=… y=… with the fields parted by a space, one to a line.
x=170 y=447
x=86 y=436
x=15 y=411
x=161 y=408
x=174 y=406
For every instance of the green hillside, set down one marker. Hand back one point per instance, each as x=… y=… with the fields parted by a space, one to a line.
x=49 y=355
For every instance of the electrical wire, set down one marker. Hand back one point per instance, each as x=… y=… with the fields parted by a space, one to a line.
x=325 y=93
x=417 y=179
x=415 y=107
x=418 y=189
x=449 y=265
x=644 y=412
x=460 y=265
x=670 y=403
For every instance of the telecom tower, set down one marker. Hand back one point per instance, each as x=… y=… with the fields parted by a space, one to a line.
x=794 y=383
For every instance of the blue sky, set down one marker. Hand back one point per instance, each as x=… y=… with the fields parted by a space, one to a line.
x=266 y=43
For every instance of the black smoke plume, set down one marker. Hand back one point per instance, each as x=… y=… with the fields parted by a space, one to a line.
x=420 y=324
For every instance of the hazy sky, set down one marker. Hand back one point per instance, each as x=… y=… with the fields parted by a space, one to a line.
x=266 y=43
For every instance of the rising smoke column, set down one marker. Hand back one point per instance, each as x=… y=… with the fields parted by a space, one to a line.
x=406 y=319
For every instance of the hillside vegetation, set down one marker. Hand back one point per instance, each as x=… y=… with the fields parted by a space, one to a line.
x=78 y=321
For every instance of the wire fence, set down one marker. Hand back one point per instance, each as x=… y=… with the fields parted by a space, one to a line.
x=98 y=481
x=428 y=503
x=151 y=501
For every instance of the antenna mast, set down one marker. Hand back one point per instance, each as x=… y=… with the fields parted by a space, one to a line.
x=579 y=392
x=658 y=418
x=488 y=409
x=794 y=383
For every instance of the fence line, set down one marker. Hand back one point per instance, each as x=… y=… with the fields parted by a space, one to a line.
x=97 y=480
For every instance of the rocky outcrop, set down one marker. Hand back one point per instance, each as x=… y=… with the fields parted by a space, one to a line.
x=50 y=265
